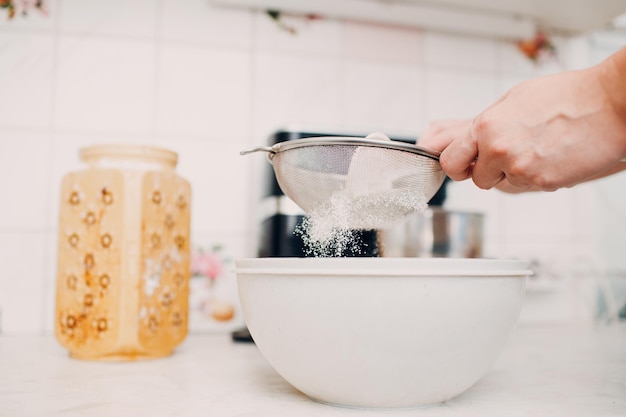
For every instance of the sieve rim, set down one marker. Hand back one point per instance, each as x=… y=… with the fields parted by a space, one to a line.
x=374 y=143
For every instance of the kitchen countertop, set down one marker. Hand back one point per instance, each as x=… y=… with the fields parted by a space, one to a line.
x=544 y=371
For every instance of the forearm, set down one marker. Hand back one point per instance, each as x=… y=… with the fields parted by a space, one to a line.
x=621 y=166
x=508 y=188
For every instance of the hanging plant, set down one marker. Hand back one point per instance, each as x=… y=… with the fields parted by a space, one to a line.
x=23 y=7
x=538 y=48
x=279 y=18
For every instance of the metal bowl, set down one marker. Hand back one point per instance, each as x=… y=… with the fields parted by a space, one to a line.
x=435 y=233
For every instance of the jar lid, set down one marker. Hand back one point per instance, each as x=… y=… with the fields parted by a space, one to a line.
x=143 y=152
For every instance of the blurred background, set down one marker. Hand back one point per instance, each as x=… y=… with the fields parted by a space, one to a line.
x=208 y=81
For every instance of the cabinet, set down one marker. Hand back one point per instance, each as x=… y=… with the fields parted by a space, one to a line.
x=499 y=18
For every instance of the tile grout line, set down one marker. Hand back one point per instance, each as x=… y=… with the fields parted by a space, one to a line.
x=343 y=62
x=158 y=45
x=423 y=84
x=253 y=55
x=46 y=267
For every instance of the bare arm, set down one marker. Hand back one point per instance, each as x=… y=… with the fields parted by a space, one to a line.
x=544 y=134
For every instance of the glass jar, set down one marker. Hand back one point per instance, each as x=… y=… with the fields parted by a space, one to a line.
x=123 y=255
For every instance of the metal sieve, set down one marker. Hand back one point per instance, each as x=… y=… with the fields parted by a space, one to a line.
x=374 y=180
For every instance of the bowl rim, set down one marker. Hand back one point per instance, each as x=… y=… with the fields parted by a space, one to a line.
x=383 y=267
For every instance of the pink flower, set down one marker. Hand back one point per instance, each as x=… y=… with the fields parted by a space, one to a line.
x=207 y=264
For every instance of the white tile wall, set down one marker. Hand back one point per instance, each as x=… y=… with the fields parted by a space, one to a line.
x=203 y=91
x=450 y=51
x=25 y=164
x=113 y=17
x=458 y=94
x=48 y=298
x=105 y=84
x=611 y=207
x=540 y=215
x=193 y=21
x=220 y=183
x=208 y=82
x=294 y=89
x=26 y=79
x=382 y=43
x=512 y=62
x=22 y=256
x=379 y=96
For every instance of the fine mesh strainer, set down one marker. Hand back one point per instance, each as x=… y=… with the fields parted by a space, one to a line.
x=372 y=181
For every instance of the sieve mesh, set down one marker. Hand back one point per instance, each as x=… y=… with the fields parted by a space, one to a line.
x=376 y=182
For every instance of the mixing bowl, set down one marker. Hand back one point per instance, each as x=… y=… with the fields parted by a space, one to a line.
x=381 y=332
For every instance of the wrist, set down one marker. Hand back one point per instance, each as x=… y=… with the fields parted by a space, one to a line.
x=612 y=76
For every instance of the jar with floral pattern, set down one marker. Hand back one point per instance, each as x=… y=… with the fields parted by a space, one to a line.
x=123 y=255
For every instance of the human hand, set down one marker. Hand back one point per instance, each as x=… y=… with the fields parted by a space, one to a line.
x=544 y=134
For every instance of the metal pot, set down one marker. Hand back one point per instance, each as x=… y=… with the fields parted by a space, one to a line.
x=435 y=233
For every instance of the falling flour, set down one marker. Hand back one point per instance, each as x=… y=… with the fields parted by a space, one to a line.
x=331 y=230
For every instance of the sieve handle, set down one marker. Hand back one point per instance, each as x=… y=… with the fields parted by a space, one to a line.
x=258 y=149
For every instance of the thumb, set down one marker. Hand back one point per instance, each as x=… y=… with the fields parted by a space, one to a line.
x=457 y=159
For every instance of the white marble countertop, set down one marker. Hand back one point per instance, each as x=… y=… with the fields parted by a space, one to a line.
x=544 y=371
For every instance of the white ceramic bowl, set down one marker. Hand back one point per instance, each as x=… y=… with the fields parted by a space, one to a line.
x=381 y=332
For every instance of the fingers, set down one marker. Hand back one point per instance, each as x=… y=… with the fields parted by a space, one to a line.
x=457 y=140
x=507 y=187
x=458 y=159
x=440 y=134
x=487 y=173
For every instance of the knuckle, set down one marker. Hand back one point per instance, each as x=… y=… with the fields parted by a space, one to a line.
x=544 y=182
x=482 y=125
x=499 y=149
x=519 y=176
x=518 y=169
x=481 y=184
x=518 y=183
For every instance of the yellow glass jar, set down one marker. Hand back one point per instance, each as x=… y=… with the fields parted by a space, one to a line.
x=123 y=255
